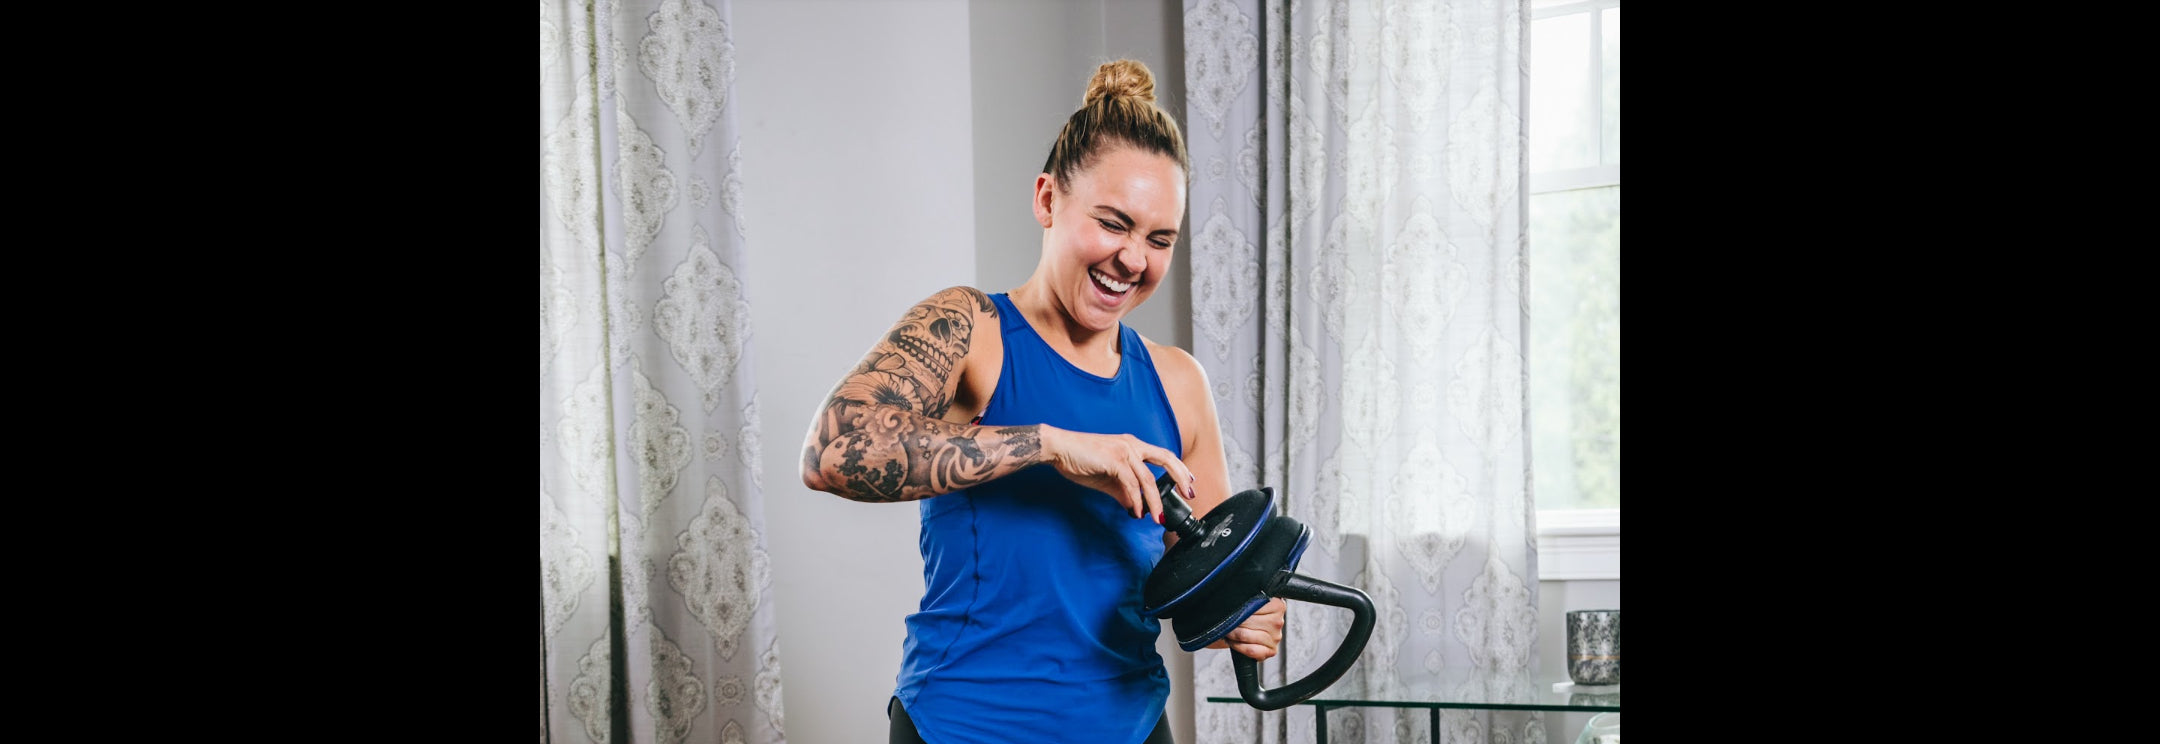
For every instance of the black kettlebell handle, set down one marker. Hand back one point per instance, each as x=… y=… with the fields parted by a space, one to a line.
x=1308 y=589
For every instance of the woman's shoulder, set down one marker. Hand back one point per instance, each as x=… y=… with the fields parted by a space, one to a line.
x=1186 y=384
x=959 y=303
x=963 y=297
x=955 y=336
x=1177 y=367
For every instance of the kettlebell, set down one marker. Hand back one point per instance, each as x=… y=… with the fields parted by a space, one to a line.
x=1225 y=566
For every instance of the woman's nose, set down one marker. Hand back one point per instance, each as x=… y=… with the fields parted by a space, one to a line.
x=1133 y=258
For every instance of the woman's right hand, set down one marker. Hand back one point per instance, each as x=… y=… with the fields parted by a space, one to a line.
x=1115 y=464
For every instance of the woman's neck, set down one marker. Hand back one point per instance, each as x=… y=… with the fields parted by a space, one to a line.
x=1055 y=324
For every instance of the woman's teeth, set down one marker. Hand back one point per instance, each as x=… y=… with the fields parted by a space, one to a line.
x=1108 y=283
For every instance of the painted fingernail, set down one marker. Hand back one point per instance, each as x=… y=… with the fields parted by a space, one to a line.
x=1158 y=517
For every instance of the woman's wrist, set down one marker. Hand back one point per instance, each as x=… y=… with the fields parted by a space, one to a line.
x=1052 y=441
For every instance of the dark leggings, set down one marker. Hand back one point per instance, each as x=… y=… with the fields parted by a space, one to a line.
x=903 y=728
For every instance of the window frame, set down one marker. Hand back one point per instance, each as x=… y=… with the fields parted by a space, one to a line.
x=1579 y=544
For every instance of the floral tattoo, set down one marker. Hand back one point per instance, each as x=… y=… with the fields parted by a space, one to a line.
x=880 y=436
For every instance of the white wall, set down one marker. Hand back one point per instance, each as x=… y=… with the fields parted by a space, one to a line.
x=1032 y=60
x=859 y=190
x=888 y=150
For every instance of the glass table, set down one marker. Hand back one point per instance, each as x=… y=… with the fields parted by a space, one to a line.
x=1479 y=690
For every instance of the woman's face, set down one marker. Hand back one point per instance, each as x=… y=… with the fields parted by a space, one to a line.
x=1107 y=239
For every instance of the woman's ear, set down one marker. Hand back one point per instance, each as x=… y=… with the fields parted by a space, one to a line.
x=1045 y=198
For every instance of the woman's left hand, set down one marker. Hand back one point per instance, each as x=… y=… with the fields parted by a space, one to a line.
x=1259 y=636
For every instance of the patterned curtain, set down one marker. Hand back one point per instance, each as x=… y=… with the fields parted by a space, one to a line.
x=656 y=612
x=1358 y=299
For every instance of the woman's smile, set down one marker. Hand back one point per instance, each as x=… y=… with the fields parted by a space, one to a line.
x=1112 y=289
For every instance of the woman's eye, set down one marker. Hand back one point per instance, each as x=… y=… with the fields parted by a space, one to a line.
x=1111 y=226
x=1161 y=243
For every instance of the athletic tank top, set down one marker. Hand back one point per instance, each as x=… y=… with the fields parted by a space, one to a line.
x=1030 y=626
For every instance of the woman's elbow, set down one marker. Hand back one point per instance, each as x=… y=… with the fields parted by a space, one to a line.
x=816 y=478
x=815 y=481
x=813 y=477
x=813 y=450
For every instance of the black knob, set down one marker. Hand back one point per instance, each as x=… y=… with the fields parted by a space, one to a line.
x=1177 y=515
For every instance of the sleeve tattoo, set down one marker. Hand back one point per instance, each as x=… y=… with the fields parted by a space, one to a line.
x=880 y=435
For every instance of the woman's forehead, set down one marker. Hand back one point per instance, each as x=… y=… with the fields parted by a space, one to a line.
x=1143 y=185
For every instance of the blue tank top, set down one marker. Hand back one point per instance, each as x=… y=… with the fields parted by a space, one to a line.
x=1030 y=626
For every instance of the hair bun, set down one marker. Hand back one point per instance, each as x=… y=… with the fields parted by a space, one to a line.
x=1124 y=78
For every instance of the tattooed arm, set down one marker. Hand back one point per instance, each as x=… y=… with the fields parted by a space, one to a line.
x=883 y=435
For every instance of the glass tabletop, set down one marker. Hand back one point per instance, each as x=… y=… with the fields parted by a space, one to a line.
x=1460 y=689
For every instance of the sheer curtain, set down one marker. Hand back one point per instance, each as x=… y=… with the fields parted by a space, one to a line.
x=1357 y=269
x=656 y=612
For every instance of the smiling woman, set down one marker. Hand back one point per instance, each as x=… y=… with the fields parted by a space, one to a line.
x=1107 y=238
x=1032 y=425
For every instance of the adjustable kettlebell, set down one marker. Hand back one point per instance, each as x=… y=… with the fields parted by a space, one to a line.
x=1225 y=566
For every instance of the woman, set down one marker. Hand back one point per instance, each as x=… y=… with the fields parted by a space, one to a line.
x=1032 y=426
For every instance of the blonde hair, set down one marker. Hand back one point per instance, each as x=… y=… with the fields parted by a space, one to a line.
x=1118 y=110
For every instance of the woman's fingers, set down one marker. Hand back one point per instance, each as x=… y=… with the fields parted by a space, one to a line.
x=1135 y=478
x=1150 y=501
x=1117 y=465
x=1254 y=651
x=1262 y=631
x=1177 y=469
x=1185 y=477
x=1257 y=644
x=1130 y=475
x=1260 y=635
x=1170 y=464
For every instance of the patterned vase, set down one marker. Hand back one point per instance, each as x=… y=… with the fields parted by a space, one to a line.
x=1593 y=647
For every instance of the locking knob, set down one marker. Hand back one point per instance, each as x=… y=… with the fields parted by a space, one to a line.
x=1177 y=514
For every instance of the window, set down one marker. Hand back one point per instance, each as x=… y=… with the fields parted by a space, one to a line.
x=1574 y=234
